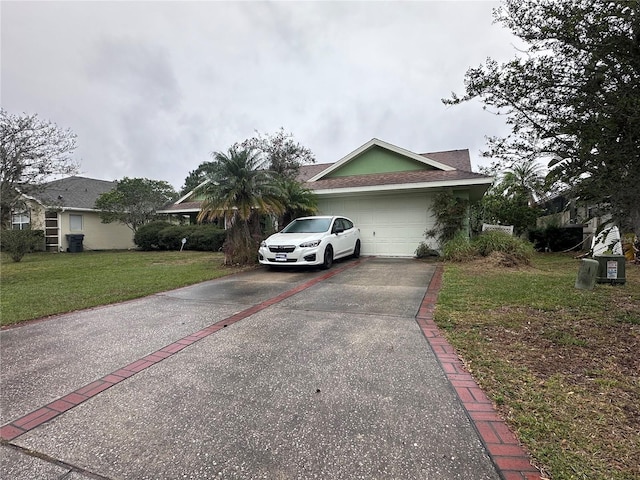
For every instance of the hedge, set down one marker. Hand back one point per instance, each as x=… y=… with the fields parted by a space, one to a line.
x=165 y=236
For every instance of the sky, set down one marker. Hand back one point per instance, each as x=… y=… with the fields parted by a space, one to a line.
x=151 y=89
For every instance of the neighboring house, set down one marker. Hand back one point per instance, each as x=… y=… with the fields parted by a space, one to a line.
x=564 y=210
x=386 y=190
x=66 y=207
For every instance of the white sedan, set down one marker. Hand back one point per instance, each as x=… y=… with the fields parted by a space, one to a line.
x=311 y=241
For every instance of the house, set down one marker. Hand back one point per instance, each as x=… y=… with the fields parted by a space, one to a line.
x=65 y=209
x=386 y=190
x=578 y=221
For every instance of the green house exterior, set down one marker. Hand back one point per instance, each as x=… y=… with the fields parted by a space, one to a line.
x=378 y=160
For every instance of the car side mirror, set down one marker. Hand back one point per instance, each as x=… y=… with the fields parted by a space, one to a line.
x=339 y=230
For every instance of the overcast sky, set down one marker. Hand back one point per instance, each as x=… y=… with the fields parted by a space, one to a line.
x=152 y=88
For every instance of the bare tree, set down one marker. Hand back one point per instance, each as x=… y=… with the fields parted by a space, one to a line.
x=31 y=151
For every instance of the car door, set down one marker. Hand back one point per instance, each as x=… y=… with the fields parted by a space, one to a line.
x=343 y=237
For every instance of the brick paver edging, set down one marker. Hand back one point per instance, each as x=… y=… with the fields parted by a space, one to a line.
x=36 y=418
x=510 y=459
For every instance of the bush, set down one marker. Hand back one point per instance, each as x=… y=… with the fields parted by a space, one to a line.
x=17 y=243
x=514 y=250
x=206 y=238
x=425 y=251
x=147 y=236
x=166 y=236
x=459 y=249
x=170 y=238
x=517 y=249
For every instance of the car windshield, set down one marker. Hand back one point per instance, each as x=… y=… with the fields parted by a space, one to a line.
x=308 y=225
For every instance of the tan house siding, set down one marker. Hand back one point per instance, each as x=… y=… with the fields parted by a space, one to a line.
x=67 y=207
x=97 y=235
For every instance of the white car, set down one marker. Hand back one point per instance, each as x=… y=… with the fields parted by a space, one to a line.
x=310 y=241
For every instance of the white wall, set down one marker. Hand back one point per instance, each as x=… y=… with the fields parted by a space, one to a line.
x=390 y=225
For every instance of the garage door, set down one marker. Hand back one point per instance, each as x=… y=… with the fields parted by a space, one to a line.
x=390 y=225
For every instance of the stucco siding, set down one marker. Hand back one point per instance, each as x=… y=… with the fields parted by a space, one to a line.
x=97 y=235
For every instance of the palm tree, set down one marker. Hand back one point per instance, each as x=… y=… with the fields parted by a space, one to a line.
x=299 y=201
x=523 y=178
x=239 y=192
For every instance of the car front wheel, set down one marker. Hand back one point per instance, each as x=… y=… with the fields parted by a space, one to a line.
x=328 y=257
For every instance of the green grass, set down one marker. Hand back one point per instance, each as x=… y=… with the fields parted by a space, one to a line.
x=44 y=284
x=561 y=364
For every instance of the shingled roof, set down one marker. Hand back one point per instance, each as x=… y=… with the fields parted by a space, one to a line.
x=73 y=192
x=395 y=178
x=458 y=159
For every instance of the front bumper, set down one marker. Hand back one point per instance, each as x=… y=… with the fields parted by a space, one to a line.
x=298 y=257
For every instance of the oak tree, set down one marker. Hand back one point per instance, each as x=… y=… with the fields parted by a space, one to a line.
x=571 y=97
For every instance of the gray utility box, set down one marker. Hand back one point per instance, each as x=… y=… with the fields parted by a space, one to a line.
x=611 y=269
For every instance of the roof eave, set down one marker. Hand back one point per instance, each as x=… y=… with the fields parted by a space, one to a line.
x=479 y=182
x=179 y=211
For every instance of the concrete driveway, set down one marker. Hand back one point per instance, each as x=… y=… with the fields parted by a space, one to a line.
x=293 y=374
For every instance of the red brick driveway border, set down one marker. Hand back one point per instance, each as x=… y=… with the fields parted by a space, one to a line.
x=510 y=459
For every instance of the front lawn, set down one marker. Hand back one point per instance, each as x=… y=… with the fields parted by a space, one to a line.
x=45 y=284
x=562 y=365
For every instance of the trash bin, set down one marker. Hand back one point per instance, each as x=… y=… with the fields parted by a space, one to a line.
x=611 y=269
x=75 y=243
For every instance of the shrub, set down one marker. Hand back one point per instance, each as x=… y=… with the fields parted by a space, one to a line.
x=206 y=238
x=166 y=236
x=147 y=236
x=425 y=251
x=515 y=248
x=459 y=249
x=17 y=243
x=170 y=238
x=451 y=213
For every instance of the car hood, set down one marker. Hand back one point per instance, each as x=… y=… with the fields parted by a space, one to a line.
x=293 y=238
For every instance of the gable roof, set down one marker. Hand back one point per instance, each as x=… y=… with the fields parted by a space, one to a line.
x=458 y=159
x=374 y=142
x=72 y=192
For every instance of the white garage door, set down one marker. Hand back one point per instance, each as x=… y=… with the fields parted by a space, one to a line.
x=390 y=225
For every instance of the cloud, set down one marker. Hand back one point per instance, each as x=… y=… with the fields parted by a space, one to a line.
x=152 y=88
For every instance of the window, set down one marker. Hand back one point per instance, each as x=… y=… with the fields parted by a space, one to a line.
x=75 y=223
x=20 y=220
x=20 y=216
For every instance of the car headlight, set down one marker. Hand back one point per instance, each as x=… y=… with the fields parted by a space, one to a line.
x=313 y=243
